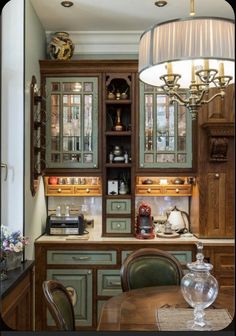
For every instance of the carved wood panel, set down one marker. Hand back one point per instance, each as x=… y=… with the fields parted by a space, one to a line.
x=216 y=201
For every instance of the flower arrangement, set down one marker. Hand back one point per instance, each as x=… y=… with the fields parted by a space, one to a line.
x=12 y=241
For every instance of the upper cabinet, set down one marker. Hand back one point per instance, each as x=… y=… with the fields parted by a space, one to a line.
x=72 y=122
x=165 y=131
x=72 y=103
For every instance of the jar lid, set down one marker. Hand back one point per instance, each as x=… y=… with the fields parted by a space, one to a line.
x=199 y=264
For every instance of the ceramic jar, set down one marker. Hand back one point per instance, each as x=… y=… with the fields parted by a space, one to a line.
x=61 y=46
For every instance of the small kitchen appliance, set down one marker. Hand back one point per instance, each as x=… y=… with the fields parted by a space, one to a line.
x=144 y=225
x=179 y=220
x=65 y=225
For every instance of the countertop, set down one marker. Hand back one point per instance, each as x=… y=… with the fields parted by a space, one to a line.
x=94 y=237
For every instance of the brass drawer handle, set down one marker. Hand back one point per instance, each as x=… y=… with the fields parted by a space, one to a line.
x=149 y=190
x=59 y=190
x=177 y=190
x=81 y=258
x=87 y=190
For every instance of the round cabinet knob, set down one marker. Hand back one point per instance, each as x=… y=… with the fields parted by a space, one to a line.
x=94 y=166
x=118 y=225
x=89 y=272
x=59 y=190
x=177 y=190
x=118 y=207
x=87 y=190
x=217 y=175
x=149 y=190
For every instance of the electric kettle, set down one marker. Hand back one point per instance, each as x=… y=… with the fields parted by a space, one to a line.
x=179 y=220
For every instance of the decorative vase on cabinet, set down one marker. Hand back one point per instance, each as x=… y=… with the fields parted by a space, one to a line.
x=61 y=46
x=13 y=260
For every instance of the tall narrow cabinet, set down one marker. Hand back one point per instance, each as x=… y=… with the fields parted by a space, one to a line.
x=119 y=93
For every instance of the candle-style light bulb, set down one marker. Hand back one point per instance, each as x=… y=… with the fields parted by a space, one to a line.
x=221 y=69
x=169 y=70
x=206 y=64
x=193 y=73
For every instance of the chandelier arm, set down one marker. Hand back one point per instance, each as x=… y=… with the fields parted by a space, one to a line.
x=221 y=94
x=202 y=95
x=178 y=98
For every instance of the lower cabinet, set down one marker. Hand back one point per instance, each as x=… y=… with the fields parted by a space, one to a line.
x=91 y=273
x=79 y=284
x=17 y=305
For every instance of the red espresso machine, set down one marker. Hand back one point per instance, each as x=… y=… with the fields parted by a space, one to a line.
x=144 y=225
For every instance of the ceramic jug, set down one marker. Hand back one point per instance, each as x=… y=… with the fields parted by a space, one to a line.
x=178 y=219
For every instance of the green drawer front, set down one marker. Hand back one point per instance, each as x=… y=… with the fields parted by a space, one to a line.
x=79 y=282
x=109 y=283
x=81 y=257
x=184 y=257
x=116 y=206
x=124 y=255
x=118 y=225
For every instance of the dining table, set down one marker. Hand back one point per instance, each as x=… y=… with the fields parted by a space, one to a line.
x=138 y=309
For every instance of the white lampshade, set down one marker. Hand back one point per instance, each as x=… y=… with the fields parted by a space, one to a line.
x=192 y=43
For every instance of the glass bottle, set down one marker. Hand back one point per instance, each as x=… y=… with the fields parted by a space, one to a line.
x=199 y=289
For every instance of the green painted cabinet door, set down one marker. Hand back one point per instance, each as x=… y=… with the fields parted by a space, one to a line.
x=72 y=122
x=79 y=284
x=165 y=131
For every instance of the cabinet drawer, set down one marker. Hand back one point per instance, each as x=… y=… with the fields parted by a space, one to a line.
x=57 y=190
x=224 y=262
x=177 y=190
x=119 y=225
x=184 y=257
x=116 y=206
x=81 y=257
x=88 y=190
x=109 y=283
x=149 y=190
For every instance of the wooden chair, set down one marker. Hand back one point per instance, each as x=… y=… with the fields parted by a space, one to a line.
x=149 y=267
x=59 y=304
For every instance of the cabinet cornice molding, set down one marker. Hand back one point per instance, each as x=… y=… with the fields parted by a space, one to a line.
x=103 y=42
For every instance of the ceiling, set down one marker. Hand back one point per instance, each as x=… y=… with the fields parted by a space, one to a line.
x=120 y=15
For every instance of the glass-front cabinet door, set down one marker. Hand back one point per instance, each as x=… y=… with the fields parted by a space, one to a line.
x=165 y=131
x=72 y=122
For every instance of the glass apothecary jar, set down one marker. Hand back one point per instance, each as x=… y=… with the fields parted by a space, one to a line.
x=199 y=289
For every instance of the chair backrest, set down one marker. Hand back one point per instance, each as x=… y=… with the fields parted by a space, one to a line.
x=59 y=304
x=149 y=267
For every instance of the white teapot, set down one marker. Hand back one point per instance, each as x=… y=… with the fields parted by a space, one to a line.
x=178 y=219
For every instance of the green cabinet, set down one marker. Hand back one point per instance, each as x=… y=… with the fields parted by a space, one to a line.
x=79 y=284
x=71 y=122
x=165 y=131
